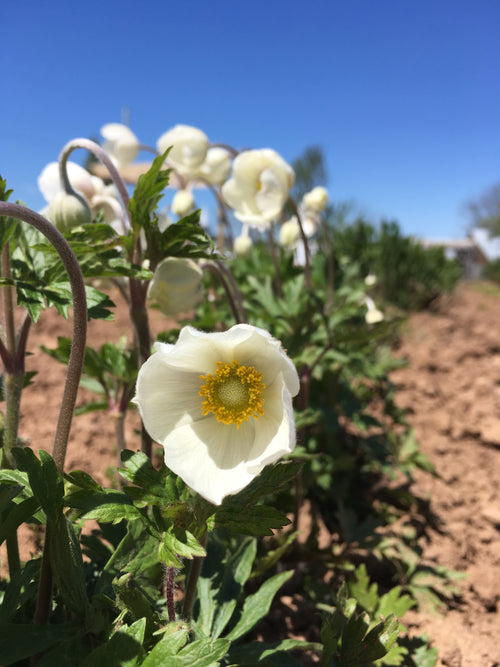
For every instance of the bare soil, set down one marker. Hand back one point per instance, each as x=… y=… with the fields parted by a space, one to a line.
x=451 y=390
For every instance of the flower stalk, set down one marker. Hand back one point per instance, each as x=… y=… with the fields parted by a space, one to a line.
x=73 y=374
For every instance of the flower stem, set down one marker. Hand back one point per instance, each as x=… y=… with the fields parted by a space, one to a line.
x=73 y=371
x=79 y=322
x=307 y=251
x=101 y=154
x=192 y=580
x=169 y=593
x=232 y=292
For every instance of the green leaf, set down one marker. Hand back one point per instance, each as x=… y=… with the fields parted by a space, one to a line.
x=259 y=652
x=178 y=542
x=20 y=641
x=256 y=606
x=159 y=485
x=220 y=585
x=67 y=566
x=147 y=194
x=107 y=505
x=124 y=648
x=45 y=481
x=256 y=520
x=269 y=482
x=21 y=587
x=200 y=653
x=17 y=515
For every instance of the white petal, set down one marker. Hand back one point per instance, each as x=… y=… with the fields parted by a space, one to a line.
x=211 y=457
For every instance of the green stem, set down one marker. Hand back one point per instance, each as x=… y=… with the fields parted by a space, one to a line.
x=14 y=382
x=190 y=590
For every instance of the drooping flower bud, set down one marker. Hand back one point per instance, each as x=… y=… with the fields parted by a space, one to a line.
x=121 y=143
x=182 y=203
x=289 y=233
x=175 y=285
x=316 y=200
x=242 y=245
x=68 y=211
x=189 y=148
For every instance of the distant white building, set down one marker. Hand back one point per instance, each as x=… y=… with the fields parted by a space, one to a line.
x=472 y=252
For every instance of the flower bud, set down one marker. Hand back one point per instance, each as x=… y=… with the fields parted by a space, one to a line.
x=121 y=143
x=370 y=280
x=182 y=203
x=242 y=245
x=373 y=314
x=289 y=232
x=175 y=285
x=217 y=166
x=189 y=148
x=316 y=200
x=68 y=211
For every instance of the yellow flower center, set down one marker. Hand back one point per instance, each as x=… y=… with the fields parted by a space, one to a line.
x=233 y=393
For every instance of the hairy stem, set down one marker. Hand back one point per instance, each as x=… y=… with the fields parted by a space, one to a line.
x=232 y=292
x=101 y=154
x=73 y=374
x=169 y=593
x=79 y=322
x=192 y=580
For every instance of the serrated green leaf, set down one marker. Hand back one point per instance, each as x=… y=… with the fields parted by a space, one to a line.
x=17 y=590
x=107 y=505
x=124 y=648
x=259 y=652
x=177 y=542
x=18 y=514
x=45 y=481
x=20 y=641
x=270 y=481
x=256 y=606
x=200 y=653
x=256 y=520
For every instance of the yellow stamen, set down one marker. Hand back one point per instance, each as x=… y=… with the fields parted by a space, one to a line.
x=233 y=393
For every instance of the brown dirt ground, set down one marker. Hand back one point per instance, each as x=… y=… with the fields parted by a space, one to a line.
x=451 y=390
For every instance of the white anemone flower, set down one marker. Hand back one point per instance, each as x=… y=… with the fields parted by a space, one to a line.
x=221 y=406
x=121 y=143
x=189 y=148
x=259 y=186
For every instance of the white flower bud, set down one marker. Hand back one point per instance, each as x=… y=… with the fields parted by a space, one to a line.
x=217 y=166
x=176 y=285
x=370 y=280
x=316 y=200
x=189 y=148
x=242 y=245
x=121 y=143
x=68 y=211
x=182 y=203
x=289 y=232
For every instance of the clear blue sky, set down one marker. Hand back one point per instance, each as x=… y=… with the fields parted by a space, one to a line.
x=403 y=96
